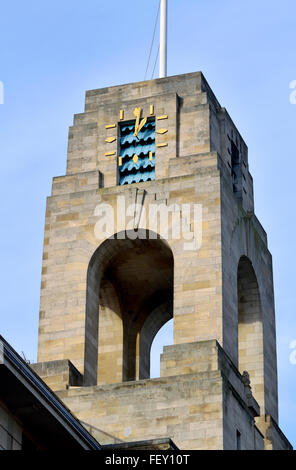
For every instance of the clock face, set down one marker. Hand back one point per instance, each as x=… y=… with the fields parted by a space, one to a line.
x=136 y=161
x=136 y=145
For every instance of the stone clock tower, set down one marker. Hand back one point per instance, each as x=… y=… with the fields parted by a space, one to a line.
x=155 y=220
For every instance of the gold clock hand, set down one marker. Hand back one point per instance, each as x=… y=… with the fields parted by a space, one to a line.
x=137 y=114
x=143 y=122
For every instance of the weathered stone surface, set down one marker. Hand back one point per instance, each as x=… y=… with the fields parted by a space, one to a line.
x=58 y=374
x=197 y=409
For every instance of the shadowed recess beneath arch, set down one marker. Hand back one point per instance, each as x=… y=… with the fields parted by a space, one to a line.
x=250 y=330
x=128 y=282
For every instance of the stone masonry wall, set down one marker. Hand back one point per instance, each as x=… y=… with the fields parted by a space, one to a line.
x=188 y=408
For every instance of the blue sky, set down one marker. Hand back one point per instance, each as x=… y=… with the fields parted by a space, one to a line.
x=52 y=52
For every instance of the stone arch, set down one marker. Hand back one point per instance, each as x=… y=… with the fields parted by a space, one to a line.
x=128 y=281
x=250 y=327
x=153 y=323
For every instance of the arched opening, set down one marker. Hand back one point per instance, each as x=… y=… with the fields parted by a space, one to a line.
x=129 y=298
x=250 y=330
x=164 y=337
x=153 y=323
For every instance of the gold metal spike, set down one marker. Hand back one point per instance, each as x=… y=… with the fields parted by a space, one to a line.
x=109 y=140
x=135 y=158
x=161 y=131
x=110 y=126
x=119 y=161
x=164 y=116
x=162 y=145
x=121 y=114
x=150 y=155
x=109 y=154
x=151 y=109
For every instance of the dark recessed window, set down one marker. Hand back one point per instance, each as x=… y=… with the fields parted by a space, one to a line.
x=236 y=168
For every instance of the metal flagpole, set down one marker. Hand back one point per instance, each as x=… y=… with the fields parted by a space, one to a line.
x=163 y=39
